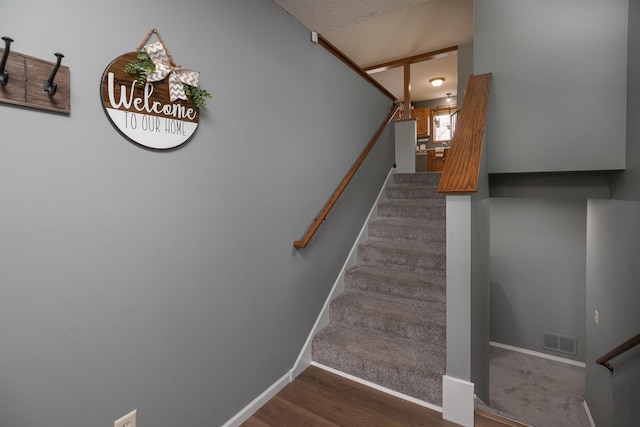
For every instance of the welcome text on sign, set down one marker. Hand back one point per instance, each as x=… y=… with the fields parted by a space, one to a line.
x=143 y=104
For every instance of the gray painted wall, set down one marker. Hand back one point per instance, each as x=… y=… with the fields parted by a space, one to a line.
x=612 y=271
x=538 y=271
x=167 y=281
x=624 y=185
x=552 y=109
x=557 y=185
x=612 y=289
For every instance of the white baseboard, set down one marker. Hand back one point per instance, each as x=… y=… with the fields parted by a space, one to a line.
x=538 y=354
x=586 y=409
x=458 y=402
x=379 y=387
x=304 y=358
x=258 y=402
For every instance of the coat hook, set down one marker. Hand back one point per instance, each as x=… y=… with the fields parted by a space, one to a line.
x=4 y=75
x=48 y=85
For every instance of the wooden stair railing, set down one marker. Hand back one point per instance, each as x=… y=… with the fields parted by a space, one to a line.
x=299 y=244
x=462 y=169
x=605 y=360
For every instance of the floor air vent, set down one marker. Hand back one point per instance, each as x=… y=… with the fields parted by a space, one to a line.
x=559 y=343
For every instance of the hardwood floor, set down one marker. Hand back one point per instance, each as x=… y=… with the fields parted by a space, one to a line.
x=318 y=398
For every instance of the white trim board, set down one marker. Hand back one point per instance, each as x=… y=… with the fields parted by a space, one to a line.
x=258 y=402
x=538 y=354
x=586 y=409
x=304 y=358
x=458 y=402
x=379 y=387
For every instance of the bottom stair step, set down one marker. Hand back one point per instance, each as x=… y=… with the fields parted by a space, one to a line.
x=406 y=366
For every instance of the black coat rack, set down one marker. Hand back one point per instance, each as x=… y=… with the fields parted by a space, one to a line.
x=33 y=82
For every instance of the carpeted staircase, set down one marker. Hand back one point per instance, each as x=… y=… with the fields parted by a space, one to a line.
x=388 y=327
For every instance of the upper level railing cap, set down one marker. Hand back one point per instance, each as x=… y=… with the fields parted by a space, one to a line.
x=462 y=169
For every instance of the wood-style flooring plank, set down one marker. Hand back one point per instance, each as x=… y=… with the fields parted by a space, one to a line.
x=255 y=422
x=318 y=398
x=334 y=407
x=272 y=413
x=391 y=407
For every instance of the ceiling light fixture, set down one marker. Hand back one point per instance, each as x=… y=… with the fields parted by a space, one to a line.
x=437 y=81
x=448 y=96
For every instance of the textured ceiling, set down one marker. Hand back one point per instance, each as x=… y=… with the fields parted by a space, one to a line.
x=325 y=16
x=375 y=31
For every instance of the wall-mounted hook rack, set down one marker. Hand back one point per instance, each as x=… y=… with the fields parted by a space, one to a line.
x=26 y=77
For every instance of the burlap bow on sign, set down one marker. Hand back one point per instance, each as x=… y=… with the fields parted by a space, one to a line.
x=165 y=66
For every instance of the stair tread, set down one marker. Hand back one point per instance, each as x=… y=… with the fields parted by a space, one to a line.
x=437 y=278
x=408 y=185
x=391 y=314
x=409 y=230
x=404 y=221
x=401 y=256
x=424 y=209
x=428 y=187
x=416 y=184
x=402 y=246
x=439 y=203
x=429 y=190
x=417 y=178
x=425 y=290
x=385 y=349
x=402 y=309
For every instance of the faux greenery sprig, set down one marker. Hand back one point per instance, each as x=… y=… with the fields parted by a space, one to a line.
x=197 y=94
x=144 y=67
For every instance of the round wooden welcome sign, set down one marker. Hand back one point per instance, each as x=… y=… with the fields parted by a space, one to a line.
x=150 y=99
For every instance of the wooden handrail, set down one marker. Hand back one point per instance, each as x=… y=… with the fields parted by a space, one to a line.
x=299 y=244
x=605 y=360
x=461 y=171
x=355 y=67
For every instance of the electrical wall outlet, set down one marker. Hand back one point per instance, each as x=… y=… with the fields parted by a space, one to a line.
x=129 y=420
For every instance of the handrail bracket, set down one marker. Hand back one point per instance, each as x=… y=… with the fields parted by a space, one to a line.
x=605 y=360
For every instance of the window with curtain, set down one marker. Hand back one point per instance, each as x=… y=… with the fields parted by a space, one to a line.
x=443 y=123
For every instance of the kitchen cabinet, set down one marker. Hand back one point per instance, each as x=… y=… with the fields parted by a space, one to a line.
x=436 y=160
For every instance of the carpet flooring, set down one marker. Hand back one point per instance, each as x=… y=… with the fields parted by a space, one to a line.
x=536 y=391
x=388 y=327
